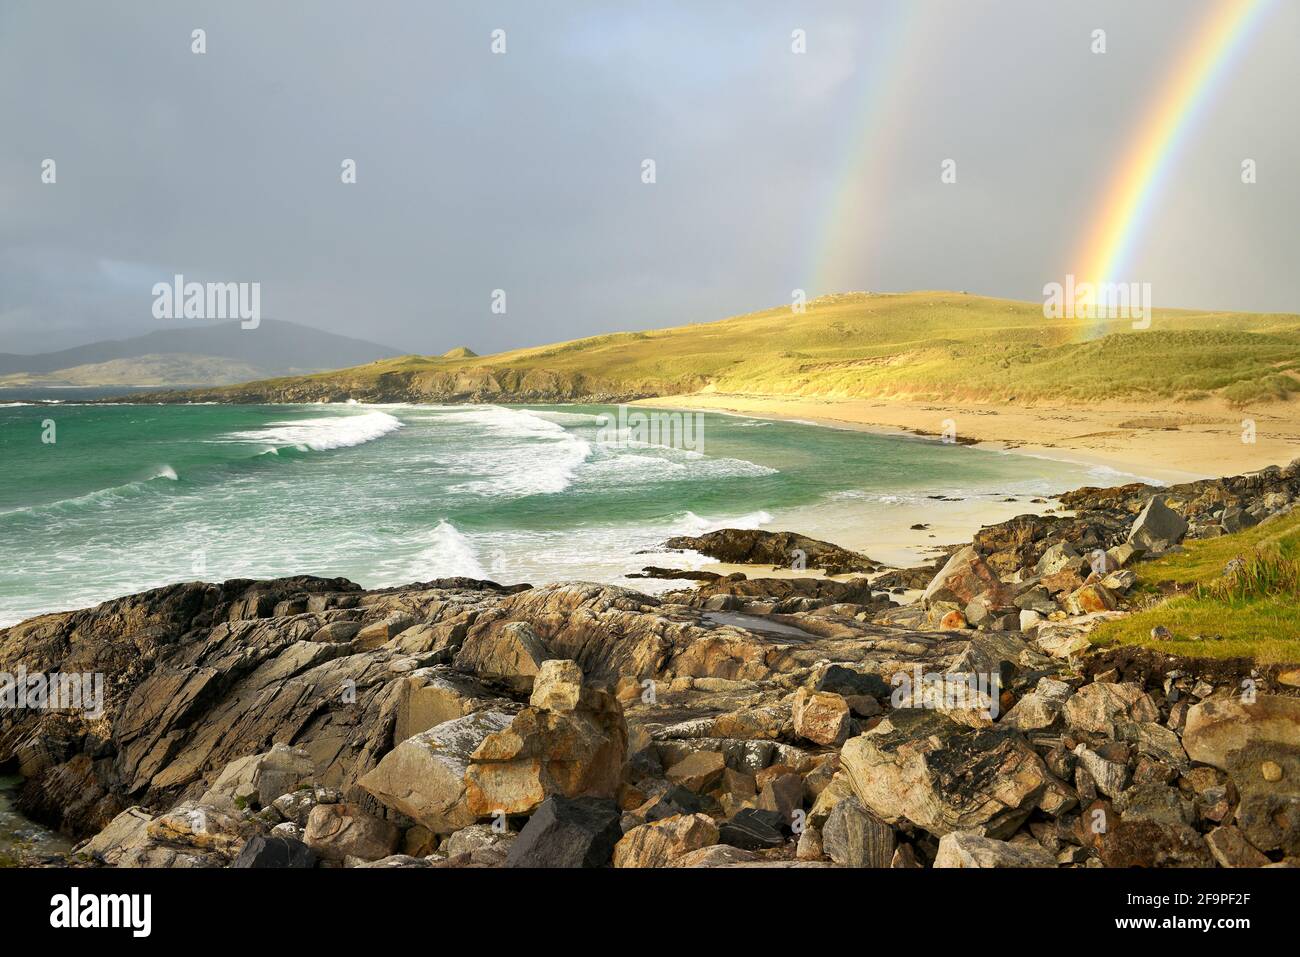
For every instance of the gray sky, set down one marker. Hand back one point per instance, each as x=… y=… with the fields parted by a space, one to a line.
x=476 y=171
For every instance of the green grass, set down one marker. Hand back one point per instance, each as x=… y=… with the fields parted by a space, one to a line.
x=1252 y=611
x=925 y=345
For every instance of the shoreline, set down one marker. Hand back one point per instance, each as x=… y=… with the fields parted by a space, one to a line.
x=1191 y=440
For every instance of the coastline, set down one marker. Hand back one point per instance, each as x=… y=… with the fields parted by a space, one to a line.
x=1165 y=441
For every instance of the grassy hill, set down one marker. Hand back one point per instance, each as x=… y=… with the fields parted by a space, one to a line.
x=928 y=345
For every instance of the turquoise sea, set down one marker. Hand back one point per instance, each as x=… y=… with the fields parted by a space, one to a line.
x=128 y=497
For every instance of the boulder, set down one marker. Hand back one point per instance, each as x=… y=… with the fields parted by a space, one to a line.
x=753 y=829
x=821 y=717
x=575 y=754
x=659 y=843
x=970 y=849
x=1157 y=527
x=1231 y=849
x=296 y=806
x=1149 y=843
x=698 y=771
x=963 y=577
x=558 y=686
x=1058 y=556
x=759 y=547
x=275 y=852
x=510 y=652
x=1098 y=707
x=261 y=778
x=568 y=832
x=854 y=837
x=1041 y=708
x=424 y=776
x=339 y=831
x=715 y=855
x=203 y=827
x=1091 y=598
x=923 y=767
x=1220 y=726
x=1066 y=639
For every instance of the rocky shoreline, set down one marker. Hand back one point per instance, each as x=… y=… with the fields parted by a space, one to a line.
x=746 y=721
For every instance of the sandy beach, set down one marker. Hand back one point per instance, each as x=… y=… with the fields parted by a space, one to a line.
x=1164 y=440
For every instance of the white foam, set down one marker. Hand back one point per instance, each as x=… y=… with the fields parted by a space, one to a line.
x=692 y=524
x=319 y=435
x=166 y=472
x=546 y=465
x=450 y=555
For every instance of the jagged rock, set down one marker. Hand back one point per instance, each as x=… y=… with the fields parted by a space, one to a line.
x=295 y=807
x=275 y=852
x=558 y=686
x=575 y=754
x=782 y=794
x=659 y=843
x=430 y=696
x=744 y=546
x=1090 y=598
x=568 y=832
x=1231 y=849
x=1148 y=843
x=1110 y=777
x=424 y=776
x=1220 y=726
x=261 y=778
x=338 y=831
x=698 y=771
x=126 y=833
x=821 y=716
x=479 y=837
x=753 y=829
x=1041 y=708
x=511 y=652
x=1154 y=740
x=1100 y=706
x=970 y=849
x=810 y=846
x=1157 y=527
x=202 y=827
x=1059 y=556
x=1065 y=639
x=676 y=800
x=854 y=837
x=963 y=577
x=923 y=767
x=1119 y=582
x=288 y=829
x=1154 y=802
x=715 y=855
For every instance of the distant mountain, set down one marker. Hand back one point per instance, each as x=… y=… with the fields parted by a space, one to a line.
x=151 y=370
x=221 y=353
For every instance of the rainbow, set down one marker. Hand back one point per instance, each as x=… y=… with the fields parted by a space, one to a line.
x=1165 y=128
x=839 y=234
